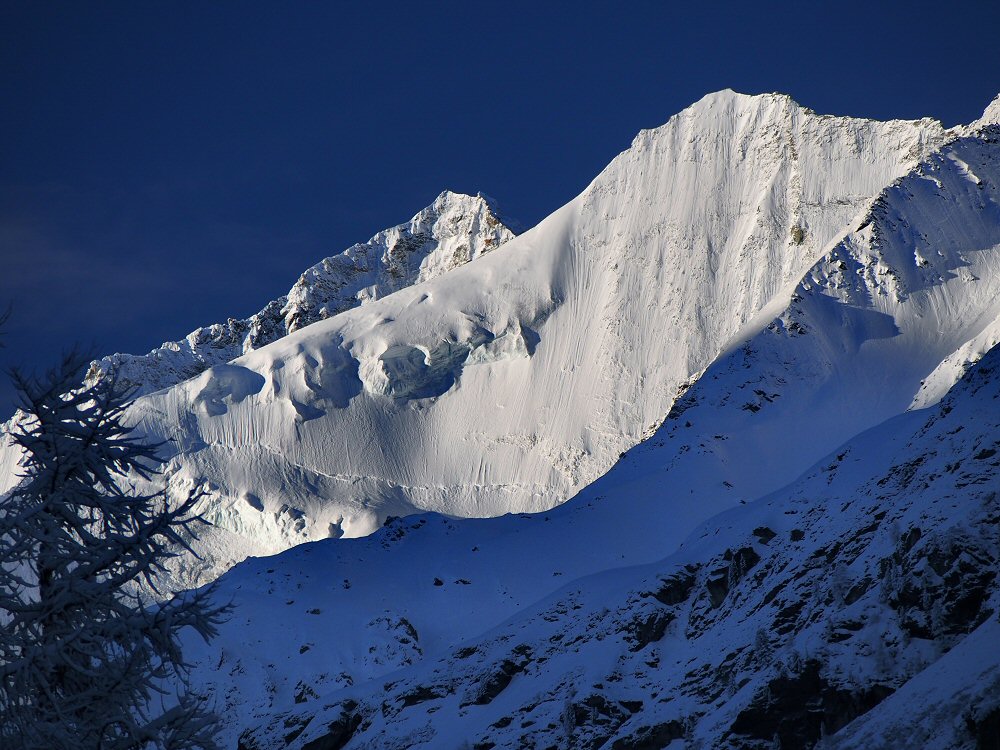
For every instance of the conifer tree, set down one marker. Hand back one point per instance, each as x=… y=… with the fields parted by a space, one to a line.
x=90 y=649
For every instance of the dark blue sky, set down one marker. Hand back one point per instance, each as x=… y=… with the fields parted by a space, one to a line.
x=167 y=165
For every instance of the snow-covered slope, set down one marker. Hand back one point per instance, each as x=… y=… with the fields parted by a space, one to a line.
x=889 y=318
x=660 y=604
x=450 y=232
x=789 y=617
x=511 y=382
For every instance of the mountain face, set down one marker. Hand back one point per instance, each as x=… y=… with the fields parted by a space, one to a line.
x=803 y=553
x=855 y=608
x=450 y=232
x=508 y=384
x=887 y=319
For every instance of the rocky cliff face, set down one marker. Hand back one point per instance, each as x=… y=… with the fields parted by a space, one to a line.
x=450 y=232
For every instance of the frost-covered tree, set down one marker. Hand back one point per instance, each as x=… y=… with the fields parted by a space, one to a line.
x=90 y=653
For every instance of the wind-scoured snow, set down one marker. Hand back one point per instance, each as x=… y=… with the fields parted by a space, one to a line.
x=508 y=384
x=889 y=318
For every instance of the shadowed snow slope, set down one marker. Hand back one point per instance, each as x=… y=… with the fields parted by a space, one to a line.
x=511 y=382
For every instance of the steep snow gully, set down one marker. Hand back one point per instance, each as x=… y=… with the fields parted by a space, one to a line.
x=758 y=353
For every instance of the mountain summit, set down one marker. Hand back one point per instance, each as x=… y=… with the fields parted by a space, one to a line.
x=803 y=554
x=509 y=384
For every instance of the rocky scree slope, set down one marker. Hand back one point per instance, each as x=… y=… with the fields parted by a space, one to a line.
x=450 y=232
x=511 y=382
x=830 y=613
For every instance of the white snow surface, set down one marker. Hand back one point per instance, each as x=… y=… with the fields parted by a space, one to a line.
x=991 y=115
x=453 y=230
x=508 y=384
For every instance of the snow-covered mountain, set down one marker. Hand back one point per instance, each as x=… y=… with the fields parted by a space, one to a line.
x=858 y=604
x=510 y=383
x=798 y=317
x=705 y=590
x=450 y=232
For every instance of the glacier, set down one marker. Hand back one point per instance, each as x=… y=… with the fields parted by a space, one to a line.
x=453 y=230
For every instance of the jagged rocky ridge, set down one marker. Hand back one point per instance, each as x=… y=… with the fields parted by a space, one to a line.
x=450 y=232
x=515 y=380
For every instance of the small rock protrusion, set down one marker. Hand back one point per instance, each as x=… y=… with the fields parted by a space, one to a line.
x=764 y=534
